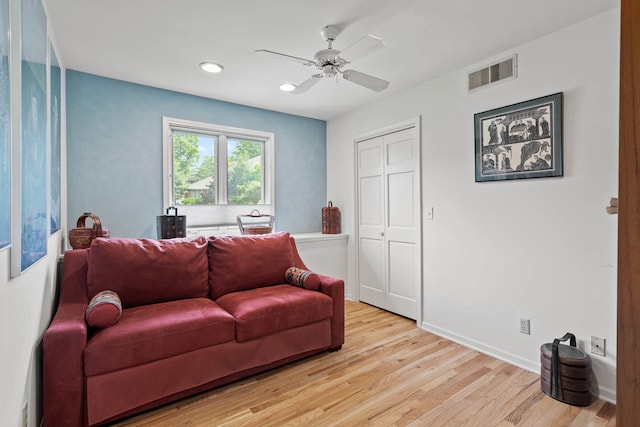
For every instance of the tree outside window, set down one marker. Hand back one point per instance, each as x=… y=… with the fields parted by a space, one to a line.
x=195 y=170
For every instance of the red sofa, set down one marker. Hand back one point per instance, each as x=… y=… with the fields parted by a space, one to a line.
x=196 y=313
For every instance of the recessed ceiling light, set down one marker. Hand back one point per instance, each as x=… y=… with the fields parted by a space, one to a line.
x=287 y=87
x=211 y=67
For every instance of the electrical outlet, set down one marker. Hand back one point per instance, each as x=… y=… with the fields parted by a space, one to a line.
x=525 y=326
x=598 y=346
x=25 y=415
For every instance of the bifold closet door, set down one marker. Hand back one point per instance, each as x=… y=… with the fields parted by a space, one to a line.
x=371 y=212
x=389 y=228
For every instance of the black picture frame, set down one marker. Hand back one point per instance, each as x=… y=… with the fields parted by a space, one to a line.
x=522 y=140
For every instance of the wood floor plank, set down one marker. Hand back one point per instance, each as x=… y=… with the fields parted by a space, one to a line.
x=388 y=373
x=532 y=395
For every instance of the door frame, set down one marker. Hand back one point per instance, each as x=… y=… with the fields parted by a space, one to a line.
x=394 y=127
x=628 y=333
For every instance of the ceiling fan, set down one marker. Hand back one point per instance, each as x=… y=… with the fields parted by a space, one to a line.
x=330 y=61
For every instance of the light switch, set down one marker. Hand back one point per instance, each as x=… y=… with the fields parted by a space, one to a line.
x=429 y=213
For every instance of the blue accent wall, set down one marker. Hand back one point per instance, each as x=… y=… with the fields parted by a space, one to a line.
x=114 y=153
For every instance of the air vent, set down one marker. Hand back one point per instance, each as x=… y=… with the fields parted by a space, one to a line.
x=494 y=73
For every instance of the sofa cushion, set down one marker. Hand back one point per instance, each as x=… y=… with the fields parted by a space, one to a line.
x=302 y=278
x=157 y=331
x=263 y=311
x=238 y=263
x=104 y=310
x=145 y=271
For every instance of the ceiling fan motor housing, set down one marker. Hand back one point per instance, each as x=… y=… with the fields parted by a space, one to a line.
x=330 y=32
x=326 y=56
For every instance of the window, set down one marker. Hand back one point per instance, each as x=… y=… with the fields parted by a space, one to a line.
x=214 y=173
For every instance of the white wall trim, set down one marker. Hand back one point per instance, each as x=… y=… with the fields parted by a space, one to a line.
x=395 y=127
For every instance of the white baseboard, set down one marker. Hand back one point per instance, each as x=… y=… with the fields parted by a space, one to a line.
x=605 y=394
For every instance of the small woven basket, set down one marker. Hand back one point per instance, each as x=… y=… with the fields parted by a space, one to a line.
x=82 y=236
x=255 y=223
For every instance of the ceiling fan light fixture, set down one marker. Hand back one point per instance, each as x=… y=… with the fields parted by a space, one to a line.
x=211 y=67
x=287 y=87
x=329 y=70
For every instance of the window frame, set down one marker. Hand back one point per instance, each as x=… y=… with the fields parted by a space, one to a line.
x=221 y=213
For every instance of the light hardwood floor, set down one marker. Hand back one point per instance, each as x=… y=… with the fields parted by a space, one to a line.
x=388 y=373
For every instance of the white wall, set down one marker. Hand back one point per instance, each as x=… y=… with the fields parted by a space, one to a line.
x=26 y=307
x=542 y=249
x=27 y=302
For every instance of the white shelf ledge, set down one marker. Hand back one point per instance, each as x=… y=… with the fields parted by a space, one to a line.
x=316 y=237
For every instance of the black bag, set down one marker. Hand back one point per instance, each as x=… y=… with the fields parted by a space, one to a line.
x=170 y=226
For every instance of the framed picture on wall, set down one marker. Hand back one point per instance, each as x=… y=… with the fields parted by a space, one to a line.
x=29 y=241
x=55 y=94
x=5 y=129
x=518 y=141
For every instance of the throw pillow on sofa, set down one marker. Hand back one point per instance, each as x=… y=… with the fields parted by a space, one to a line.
x=302 y=278
x=146 y=271
x=246 y=262
x=104 y=310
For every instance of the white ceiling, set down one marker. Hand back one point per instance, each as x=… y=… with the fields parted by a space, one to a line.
x=161 y=42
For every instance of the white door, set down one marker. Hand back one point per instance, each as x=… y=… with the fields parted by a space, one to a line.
x=371 y=207
x=389 y=226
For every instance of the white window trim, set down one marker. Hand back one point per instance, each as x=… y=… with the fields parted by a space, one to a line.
x=217 y=214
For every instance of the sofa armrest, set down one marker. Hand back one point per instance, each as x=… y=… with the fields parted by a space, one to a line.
x=335 y=289
x=63 y=348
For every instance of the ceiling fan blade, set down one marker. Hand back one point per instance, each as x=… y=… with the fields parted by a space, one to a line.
x=279 y=55
x=364 y=46
x=307 y=84
x=362 y=79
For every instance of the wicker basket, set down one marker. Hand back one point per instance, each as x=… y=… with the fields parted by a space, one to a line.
x=255 y=223
x=82 y=236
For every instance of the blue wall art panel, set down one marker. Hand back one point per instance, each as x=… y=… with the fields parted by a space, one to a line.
x=5 y=129
x=33 y=162
x=55 y=96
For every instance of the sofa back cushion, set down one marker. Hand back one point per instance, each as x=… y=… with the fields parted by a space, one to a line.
x=238 y=263
x=145 y=271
